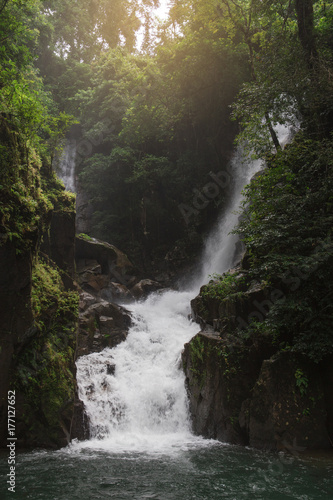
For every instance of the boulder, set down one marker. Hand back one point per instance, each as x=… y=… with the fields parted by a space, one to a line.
x=232 y=313
x=102 y=271
x=86 y=300
x=104 y=308
x=116 y=292
x=113 y=262
x=106 y=325
x=144 y=288
x=220 y=373
x=101 y=324
x=247 y=392
x=282 y=412
x=93 y=283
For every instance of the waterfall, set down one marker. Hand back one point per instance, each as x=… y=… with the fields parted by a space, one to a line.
x=66 y=165
x=135 y=394
x=220 y=251
x=220 y=247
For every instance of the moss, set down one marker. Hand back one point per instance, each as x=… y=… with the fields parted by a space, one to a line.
x=45 y=367
x=30 y=191
x=62 y=200
x=24 y=206
x=228 y=285
x=85 y=237
x=200 y=352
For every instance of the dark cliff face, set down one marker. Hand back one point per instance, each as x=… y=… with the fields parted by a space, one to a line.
x=58 y=242
x=38 y=308
x=244 y=389
x=17 y=324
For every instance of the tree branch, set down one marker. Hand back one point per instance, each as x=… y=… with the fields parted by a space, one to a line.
x=3 y=6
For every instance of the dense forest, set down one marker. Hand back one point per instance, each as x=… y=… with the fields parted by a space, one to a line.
x=156 y=108
x=156 y=120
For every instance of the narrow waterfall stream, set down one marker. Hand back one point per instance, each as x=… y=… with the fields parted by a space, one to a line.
x=66 y=165
x=135 y=394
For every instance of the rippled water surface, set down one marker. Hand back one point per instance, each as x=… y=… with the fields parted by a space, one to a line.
x=210 y=471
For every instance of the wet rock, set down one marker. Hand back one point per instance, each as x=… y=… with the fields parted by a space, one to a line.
x=144 y=288
x=106 y=325
x=232 y=313
x=280 y=412
x=86 y=300
x=220 y=373
x=103 y=308
x=110 y=369
x=93 y=283
x=101 y=324
x=80 y=422
x=242 y=390
x=113 y=262
x=115 y=292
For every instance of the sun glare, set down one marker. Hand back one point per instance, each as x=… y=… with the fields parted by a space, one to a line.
x=160 y=14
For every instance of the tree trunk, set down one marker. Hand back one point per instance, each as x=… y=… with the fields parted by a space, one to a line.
x=272 y=132
x=304 y=11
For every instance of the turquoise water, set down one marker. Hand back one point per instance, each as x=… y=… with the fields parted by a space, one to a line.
x=209 y=472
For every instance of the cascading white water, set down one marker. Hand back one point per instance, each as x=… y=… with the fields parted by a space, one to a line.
x=135 y=394
x=66 y=165
x=142 y=406
x=220 y=248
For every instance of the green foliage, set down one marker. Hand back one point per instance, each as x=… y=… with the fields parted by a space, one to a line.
x=49 y=296
x=30 y=127
x=83 y=29
x=229 y=285
x=302 y=381
x=288 y=232
x=44 y=372
x=290 y=69
x=85 y=236
x=169 y=126
x=198 y=355
x=23 y=205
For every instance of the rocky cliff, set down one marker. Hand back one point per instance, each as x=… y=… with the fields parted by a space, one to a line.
x=243 y=388
x=39 y=313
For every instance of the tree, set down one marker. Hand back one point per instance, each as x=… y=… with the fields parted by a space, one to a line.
x=292 y=77
x=305 y=23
